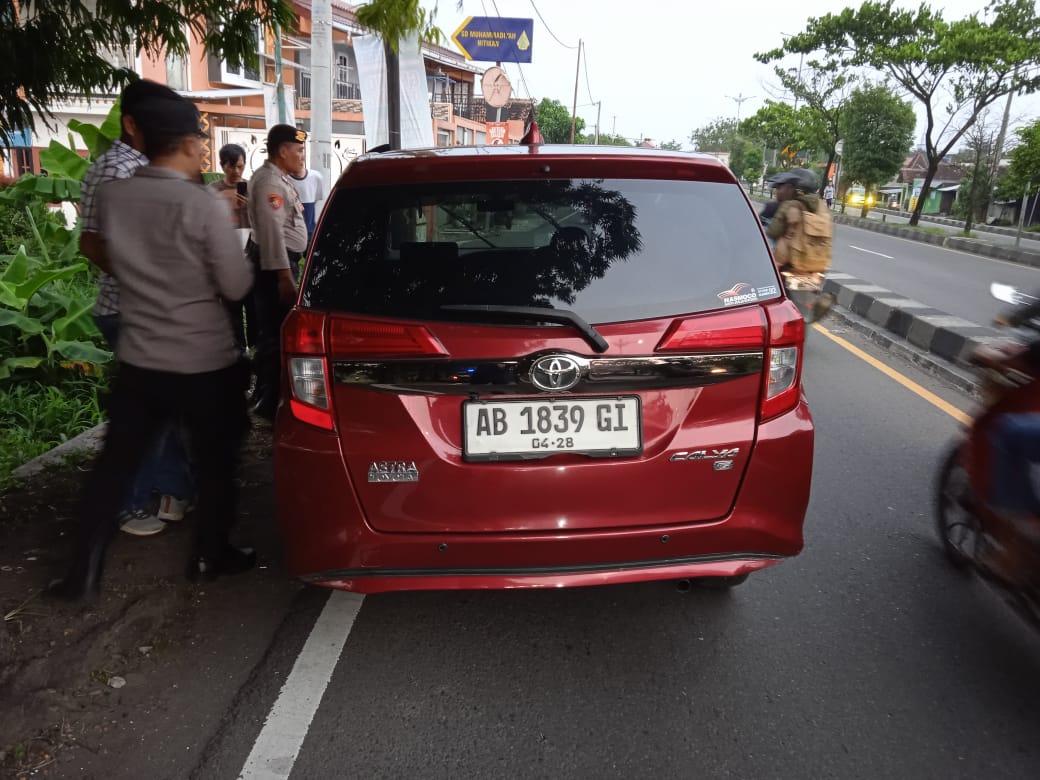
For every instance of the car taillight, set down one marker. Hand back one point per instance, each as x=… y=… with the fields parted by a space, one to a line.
x=303 y=345
x=370 y=338
x=786 y=340
x=737 y=329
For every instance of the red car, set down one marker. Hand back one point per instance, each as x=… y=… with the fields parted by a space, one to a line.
x=540 y=366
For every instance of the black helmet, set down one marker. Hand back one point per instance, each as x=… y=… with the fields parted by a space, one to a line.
x=802 y=179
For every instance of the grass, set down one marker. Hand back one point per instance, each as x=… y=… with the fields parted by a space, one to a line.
x=35 y=418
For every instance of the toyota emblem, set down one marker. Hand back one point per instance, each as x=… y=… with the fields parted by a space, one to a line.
x=554 y=373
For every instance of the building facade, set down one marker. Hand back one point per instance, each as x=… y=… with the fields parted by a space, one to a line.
x=238 y=104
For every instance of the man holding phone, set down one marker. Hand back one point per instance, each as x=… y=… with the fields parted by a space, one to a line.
x=235 y=191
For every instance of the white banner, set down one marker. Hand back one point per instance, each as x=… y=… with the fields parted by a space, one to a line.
x=371 y=63
x=416 y=121
x=271 y=105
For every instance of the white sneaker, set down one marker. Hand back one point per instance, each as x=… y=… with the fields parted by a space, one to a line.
x=172 y=510
x=140 y=523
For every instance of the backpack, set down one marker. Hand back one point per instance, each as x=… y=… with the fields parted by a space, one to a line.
x=811 y=246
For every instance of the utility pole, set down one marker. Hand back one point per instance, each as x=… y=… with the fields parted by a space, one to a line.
x=279 y=86
x=998 y=147
x=574 y=110
x=321 y=89
x=1022 y=213
x=739 y=100
x=599 y=107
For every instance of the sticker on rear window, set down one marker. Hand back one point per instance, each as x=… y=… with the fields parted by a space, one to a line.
x=742 y=292
x=768 y=292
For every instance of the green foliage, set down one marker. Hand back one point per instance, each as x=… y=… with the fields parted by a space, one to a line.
x=35 y=417
x=779 y=126
x=554 y=122
x=393 y=20
x=45 y=322
x=672 y=146
x=604 y=139
x=754 y=160
x=716 y=136
x=737 y=154
x=52 y=51
x=878 y=130
x=1025 y=162
x=953 y=69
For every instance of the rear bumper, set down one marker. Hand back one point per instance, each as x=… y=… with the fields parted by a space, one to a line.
x=328 y=542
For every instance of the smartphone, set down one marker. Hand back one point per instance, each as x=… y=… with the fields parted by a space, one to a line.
x=242 y=188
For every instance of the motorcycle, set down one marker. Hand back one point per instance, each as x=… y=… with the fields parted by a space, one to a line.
x=967 y=524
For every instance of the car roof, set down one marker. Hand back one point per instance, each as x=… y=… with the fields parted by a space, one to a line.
x=558 y=160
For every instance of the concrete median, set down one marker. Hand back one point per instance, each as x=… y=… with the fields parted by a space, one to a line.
x=940 y=334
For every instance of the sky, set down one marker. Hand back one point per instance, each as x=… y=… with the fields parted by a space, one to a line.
x=662 y=68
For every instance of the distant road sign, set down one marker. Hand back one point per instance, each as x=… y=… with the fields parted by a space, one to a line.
x=495 y=39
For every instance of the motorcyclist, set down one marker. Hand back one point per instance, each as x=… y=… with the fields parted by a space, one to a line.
x=797 y=192
x=1015 y=441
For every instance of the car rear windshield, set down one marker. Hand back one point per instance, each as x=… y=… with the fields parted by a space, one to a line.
x=611 y=250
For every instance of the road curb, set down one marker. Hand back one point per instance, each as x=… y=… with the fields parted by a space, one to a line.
x=947 y=372
x=89 y=440
x=935 y=332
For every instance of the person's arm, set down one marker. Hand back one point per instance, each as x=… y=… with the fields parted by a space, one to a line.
x=229 y=267
x=92 y=247
x=91 y=244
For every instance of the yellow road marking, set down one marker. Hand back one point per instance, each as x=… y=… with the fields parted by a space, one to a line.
x=891 y=373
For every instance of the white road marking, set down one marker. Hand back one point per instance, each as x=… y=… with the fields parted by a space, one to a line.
x=275 y=750
x=871 y=251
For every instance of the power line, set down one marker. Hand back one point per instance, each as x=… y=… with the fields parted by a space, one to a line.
x=585 y=61
x=564 y=45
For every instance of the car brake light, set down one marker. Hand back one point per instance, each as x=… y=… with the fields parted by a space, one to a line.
x=370 y=338
x=303 y=345
x=737 y=329
x=786 y=340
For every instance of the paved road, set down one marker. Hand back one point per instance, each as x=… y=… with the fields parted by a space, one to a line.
x=954 y=282
x=865 y=657
x=1028 y=241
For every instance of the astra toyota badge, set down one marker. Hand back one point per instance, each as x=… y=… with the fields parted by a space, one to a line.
x=554 y=373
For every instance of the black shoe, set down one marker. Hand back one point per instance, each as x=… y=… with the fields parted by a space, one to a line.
x=232 y=561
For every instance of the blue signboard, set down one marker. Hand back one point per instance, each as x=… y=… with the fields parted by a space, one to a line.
x=495 y=39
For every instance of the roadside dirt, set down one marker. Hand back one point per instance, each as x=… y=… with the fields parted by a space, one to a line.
x=136 y=681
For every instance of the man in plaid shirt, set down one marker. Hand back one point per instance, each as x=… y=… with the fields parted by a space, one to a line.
x=166 y=469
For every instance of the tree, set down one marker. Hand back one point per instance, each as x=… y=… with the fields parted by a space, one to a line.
x=53 y=50
x=779 y=126
x=554 y=121
x=878 y=130
x=754 y=162
x=737 y=156
x=825 y=89
x=1025 y=162
x=672 y=146
x=953 y=69
x=716 y=136
x=973 y=195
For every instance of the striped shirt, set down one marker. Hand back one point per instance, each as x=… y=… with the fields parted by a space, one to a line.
x=119 y=162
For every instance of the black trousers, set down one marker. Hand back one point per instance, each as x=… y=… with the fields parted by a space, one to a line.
x=211 y=407
x=270 y=313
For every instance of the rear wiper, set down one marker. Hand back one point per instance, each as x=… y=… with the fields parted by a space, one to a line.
x=537 y=314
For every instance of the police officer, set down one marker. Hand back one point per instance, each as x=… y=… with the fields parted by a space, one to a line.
x=278 y=239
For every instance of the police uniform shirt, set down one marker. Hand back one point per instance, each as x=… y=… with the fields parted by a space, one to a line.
x=276 y=216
